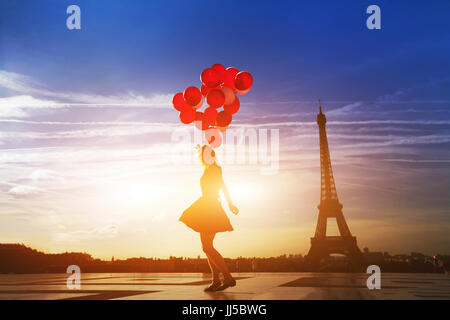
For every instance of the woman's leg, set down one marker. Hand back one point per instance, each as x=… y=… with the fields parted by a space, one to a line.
x=207 y=244
x=214 y=255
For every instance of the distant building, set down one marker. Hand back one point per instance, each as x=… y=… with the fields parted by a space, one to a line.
x=17 y=258
x=373 y=257
x=255 y=266
x=418 y=256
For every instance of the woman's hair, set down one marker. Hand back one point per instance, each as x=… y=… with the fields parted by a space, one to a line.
x=206 y=155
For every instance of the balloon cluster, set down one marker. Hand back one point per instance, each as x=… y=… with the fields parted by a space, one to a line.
x=219 y=88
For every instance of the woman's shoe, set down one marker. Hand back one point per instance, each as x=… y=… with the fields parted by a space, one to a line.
x=213 y=286
x=227 y=283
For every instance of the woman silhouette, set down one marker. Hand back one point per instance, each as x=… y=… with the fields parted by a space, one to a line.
x=207 y=217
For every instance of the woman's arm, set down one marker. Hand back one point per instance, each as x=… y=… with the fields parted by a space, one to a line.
x=232 y=207
x=226 y=194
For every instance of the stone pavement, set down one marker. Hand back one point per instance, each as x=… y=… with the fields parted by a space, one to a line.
x=256 y=286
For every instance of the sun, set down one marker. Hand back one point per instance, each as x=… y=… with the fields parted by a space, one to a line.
x=244 y=191
x=137 y=193
x=132 y=194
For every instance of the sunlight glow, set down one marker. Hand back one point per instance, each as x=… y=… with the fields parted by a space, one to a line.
x=131 y=194
x=244 y=191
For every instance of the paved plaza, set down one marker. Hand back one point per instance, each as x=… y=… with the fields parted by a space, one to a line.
x=276 y=286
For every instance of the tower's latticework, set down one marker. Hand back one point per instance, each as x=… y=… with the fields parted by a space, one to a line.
x=329 y=207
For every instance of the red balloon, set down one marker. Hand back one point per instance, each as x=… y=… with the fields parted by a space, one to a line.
x=230 y=74
x=187 y=116
x=243 y=81
x=214 y=138
x=204 y=89
x=220 y=69
x=201 y=123
x=223 y=119
x=210 y=115
x=199 y=104
x=233 y=107
x=229 y=95
x=222 y=129
x=210 y=78
x=179 y=103
x=192 y=96
x=242 y=92
x=198 y=116
x=215 y=98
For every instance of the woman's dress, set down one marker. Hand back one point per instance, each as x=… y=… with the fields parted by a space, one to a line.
x=206 y=215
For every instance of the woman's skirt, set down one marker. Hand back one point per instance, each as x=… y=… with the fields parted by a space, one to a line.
x=206 y=215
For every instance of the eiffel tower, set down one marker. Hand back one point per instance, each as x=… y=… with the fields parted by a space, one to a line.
x=330 y=207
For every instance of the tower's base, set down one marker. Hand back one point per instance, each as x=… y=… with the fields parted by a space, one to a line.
x=321 y=247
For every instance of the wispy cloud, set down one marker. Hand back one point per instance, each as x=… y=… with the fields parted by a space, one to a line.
x=410 y=92
x=45 y=175
x=355 y=122
x=20 y=106
x=34 y=95
x=107 y=231
x=24 y=191
x=345 y=109
x=89 y=133
x=93 y=123
x=21 y=83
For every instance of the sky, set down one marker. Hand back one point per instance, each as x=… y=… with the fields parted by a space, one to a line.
x=89 y=159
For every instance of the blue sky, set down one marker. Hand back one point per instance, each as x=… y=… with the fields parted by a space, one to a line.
x=292 y=48
x=70 y=102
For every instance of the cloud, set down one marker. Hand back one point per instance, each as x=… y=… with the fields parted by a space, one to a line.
x=35 y=96
x=416 y=140
x=421 y=88
x=20 y=106
x=24 y=191
x=103 y=232
x=92 y=123
x=110 y=229
x=419 y=160
x=114 y=131
x=44 y=175
x=344 y=123
x=156 y=154
x=345 y=109
x=20 y=83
